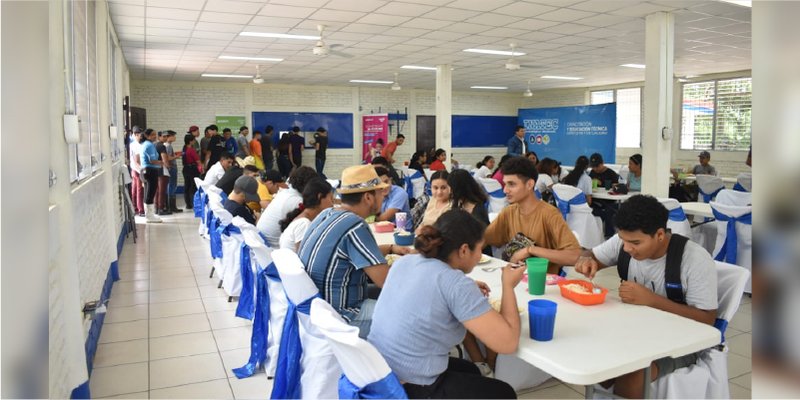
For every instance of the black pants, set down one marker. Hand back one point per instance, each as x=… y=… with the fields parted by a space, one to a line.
x=606 y=210
x=461 y=380
x=284 y=165
x=150 y=183
x=189 y=187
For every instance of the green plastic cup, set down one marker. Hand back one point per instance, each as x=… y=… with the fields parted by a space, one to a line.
x=537 y=274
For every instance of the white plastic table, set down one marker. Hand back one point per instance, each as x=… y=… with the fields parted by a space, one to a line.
x=697 y=208
x=691 y=178
x=602 y=194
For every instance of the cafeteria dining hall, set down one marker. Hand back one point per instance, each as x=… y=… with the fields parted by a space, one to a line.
x=397 y=199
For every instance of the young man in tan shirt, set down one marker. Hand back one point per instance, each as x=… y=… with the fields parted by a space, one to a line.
x=539 y=221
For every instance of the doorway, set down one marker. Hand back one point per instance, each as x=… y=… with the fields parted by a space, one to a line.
x=426 y=132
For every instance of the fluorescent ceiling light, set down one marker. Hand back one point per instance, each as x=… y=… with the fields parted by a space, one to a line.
x=495 y=52
x=565 y=78
x=279 y=35
x=743 y=3
x=226 y=76
x=489 y=87
x=640 y=66
x=418 y=67
x=250 y=58
x=369 y=81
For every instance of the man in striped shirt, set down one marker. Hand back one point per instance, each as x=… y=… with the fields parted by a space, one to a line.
x=340 y=252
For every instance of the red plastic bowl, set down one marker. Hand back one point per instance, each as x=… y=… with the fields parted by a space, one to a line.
x=384 y=227
x=586 y=299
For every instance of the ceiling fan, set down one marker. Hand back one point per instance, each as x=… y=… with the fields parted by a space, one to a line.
x=512 y=64
x=258 y=79
x=322 y=49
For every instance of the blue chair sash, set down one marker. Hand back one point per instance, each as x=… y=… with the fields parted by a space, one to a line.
x=739 y=188
x=497 y=194
x=677 y=215
x=245 y=307
x=260 y=334
x=728 y=251
x=388 y=387
x=537 y=193
x=564 y=206
x=287 y=375
x=198 y=203
x=722 y=325
x=707 y=197
x=214 y=236
x=410 y=184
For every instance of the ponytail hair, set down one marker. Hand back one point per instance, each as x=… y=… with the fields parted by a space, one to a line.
x=453 y=229
x=313 y=193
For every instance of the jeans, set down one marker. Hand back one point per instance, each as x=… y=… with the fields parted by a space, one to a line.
x=137 y=192
x=461 y=380
x=284 y=165
x=161 y=192
x=363 y=321
x=173 y=182
x=320 y=164
x=189 y=187
x=268 y=163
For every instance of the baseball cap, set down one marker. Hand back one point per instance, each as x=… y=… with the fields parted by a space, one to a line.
x=247 y=185
x=595 y=160
x=704 y=154
x=193 y=128
x=272 y=175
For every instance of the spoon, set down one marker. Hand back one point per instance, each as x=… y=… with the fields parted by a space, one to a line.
x=595 y=289
x=492 y=269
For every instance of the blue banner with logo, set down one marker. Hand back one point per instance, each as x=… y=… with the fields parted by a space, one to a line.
x=565 y=133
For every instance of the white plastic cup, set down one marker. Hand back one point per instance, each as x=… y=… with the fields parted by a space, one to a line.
x=400 y=220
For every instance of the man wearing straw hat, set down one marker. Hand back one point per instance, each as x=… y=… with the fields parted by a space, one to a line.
x=340 y=252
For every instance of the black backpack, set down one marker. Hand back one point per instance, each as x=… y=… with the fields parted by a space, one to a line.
x=672 y=271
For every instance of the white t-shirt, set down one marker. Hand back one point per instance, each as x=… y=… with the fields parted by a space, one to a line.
x=698 y=272
x=284 y=201
x=483 y=172
x=294 y=233
x=214 y=174
x=585 y=184
x=543 y=183
x=135 y=149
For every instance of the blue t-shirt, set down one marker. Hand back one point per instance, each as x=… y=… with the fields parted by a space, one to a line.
x=149 y=153
x=231 y=146
x=398 y=199
x=337 y=246
x=420 y=316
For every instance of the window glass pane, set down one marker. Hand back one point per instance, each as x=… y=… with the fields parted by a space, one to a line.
x=82 y=105
x=602 y=97
x=733 y=114
x=629 y=117
x=697 y=116
x=94 y=106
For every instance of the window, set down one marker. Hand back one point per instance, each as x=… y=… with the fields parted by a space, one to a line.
x=716 y=115
x=629 y=113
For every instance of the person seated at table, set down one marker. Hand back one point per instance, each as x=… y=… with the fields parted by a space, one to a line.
x=284 y=201
x=466 y=194
x=238 y=168
x=416 y=346
x=547 y=169
x=217 y=171
x=438 y=160
x=317 y=196
x=605 y=176
x=429 y=208
x=531 y=155
x=418 y=159
x=270 y=182
x=340 y=252
x=245 y=190
x=635 y=175
x=540 y=222
x=578 y=178
x=484 y=167
x=395 y=200
x=644 y=240
x=704 y=168
x=498 y=173
x=382 y=162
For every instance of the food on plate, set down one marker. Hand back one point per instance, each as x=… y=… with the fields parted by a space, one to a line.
x=391 y=258
x=484 y=259
x=495 y=303
x=578 y=288
x=383 y=223
x=403 y=233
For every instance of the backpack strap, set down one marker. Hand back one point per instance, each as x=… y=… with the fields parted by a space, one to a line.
x=623 y=261
x=672 y=272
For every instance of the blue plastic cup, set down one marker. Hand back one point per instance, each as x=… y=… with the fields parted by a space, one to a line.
x=542 y=319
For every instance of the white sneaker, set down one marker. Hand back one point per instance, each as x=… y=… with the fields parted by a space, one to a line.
x=150 y=215
x=486 y=370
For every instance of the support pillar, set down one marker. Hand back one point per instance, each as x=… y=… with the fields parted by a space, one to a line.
x=444 y=109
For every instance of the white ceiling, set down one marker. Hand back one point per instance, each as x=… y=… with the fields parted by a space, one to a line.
x=181 y=39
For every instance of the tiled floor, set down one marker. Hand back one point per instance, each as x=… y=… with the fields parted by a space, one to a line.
x=170 y=333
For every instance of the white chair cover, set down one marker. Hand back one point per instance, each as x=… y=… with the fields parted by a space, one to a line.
x=518 y=373
x=319 y=370
x=745 y=180
x=624 y=174
x=231 y=257
x=744 y=233
x=202 y=229
x=734 y=198
x=580 y=218
x=497 y=199
x=415 y=183
x=709 y=186
x=677 y=223
x=708 y=378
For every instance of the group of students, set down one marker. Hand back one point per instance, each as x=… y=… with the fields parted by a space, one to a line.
x=154 y=173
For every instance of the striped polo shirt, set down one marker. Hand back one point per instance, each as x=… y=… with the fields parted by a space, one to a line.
x=337 y=246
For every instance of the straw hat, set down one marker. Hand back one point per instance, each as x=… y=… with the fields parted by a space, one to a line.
x=249 y=160
x=360 y=178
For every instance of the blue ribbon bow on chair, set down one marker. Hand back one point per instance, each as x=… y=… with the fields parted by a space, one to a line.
x=410 y=184
x=707 y=197
x=214 y=238
x=388 y=387
x=200 y=199
x=728 y=251
x=287 y=375
x=258 y=340
x=564 y=206
x=677 y=215
x=739 y=188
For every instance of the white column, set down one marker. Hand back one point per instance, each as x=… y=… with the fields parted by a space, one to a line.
x=656 y=145
x=444 y=109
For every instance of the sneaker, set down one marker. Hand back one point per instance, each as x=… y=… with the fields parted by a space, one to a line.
x=485 y=369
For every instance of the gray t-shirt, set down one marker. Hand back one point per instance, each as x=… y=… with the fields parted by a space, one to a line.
x=698 y=272
x=243 y=143
x=709 y=169
x=420 y=314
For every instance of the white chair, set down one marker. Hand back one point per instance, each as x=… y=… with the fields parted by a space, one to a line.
x=572 y=203
x=708 y=378
x=220 y=239
x=366 y=373
x=615 y=167
x=744 y=182
x=307 y=367
x=428 y=173
x=709 y=186
x=677 y=222
x=497 y=198
x=734 y=230
x=624 y=174
x=415 y=183
x=265 y=305
x=735 y=198
x=518 y=373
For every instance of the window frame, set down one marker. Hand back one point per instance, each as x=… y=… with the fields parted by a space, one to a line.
x=715 y=82
x=614 y=100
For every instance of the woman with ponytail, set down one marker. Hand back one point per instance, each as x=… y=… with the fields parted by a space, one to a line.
x=416 y=346
x=317 y=196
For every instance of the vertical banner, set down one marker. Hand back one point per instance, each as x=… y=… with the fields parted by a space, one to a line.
x=565 y=133
x=375 y=129
x=232 y=122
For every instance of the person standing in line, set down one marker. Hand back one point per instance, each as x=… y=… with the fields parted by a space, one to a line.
x=216 y=147
x=163 y=178
x=151 y=170
x=191 y=169
x=297 y=144
x=230 y=142
x=256 y=151
x=209 y=133
x=172 y=187
x=516 y=144
x=195 y=132
x=321 y=147
x=137 y=183
x=266 y=148
x=285 y=155
x=243 y=143
x=391 y=148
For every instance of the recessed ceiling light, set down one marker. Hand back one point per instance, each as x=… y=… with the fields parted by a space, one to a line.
x=418 y=67
x=640 y=66
x=565 y=78
x=279 y=35
x=494 y=52
x=743 y=3
x=489 y=87
x=250 y=58
x=226 y=76
x=369 y=81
